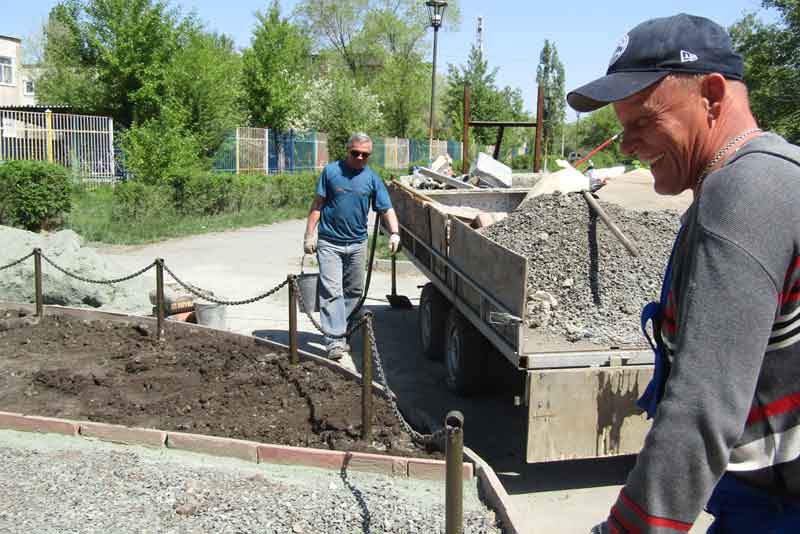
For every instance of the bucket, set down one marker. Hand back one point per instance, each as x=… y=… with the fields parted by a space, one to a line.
x=210 y=314
x=307 y=282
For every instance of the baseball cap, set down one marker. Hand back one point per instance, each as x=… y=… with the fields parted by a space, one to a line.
x=655 y=48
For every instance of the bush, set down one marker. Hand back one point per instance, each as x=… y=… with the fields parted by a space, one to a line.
x=136 y=201
x=33 y=194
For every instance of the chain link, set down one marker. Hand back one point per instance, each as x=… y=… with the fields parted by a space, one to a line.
x=17 y=262
x=104 y=282
x=366 y=320
x=203 y=294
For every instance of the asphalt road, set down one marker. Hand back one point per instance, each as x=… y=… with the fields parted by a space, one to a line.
x=560 y=497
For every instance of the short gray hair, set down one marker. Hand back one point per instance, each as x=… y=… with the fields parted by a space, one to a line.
x=358 y=137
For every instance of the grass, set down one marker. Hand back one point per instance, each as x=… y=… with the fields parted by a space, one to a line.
x=92 y=216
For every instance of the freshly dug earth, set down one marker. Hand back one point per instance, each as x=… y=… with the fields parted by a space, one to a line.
x=195 y=381
x=582 y=282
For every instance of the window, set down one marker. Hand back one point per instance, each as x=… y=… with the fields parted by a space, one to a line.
x=6 y=70
x=29 y=88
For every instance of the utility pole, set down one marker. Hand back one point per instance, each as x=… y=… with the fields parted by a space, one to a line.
x=479 y=35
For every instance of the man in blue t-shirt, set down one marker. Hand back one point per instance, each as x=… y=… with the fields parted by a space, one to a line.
x=340 y=207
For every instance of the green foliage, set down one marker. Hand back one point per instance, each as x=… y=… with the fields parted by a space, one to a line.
x=135 y=201
x=596 y=128
x=771 y=55
x=487 y=102
x=33 y=194
x=162 y=149
x=276 y=70
x=550 y=76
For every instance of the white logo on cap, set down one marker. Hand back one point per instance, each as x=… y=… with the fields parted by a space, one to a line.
x=621 y=47
x=687 y=57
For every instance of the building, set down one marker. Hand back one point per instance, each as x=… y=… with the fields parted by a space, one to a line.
x=17 y=83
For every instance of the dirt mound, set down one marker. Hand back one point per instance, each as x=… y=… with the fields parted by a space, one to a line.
x=196 y=381
x=66 y=248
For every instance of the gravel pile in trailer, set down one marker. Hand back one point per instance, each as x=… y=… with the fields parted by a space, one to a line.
x=582 y=282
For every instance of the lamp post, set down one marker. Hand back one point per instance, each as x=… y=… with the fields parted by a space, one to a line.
x=436 y=15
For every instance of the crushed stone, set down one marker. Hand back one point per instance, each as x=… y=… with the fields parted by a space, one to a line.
x=583 y=285
x=67 y=249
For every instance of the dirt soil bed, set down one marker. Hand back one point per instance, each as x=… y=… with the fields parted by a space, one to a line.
x=195 y=381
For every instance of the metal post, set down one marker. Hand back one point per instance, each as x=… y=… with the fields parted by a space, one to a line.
x=49 y=124
x=394 y=274
x=537 y=149
x=37 y=268
x=237 y=150
x=433 y=78
x=465 y=142
x=293 y=357
x=454 y=490
x=160 y=298
x=366 y=381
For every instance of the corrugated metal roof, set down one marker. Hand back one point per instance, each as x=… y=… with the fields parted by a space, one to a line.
x=34 y=107
x=8 y=37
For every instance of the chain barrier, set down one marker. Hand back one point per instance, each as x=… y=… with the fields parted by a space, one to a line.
x=366 y=320
x=17 y=262
x=198 y=292
x=104 y=282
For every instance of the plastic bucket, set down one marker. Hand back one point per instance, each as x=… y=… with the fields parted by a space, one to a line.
x=210 y=314
x=308 y=291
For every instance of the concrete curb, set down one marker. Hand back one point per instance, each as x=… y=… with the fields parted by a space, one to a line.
x=494 y=494
x=249 y=451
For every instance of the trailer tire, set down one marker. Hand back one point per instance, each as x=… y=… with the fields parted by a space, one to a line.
x=433 y=308
x=466 y=356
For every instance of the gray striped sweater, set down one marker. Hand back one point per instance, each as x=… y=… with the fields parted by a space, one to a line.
x=732 y=329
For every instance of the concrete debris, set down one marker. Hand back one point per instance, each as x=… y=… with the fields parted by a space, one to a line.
x=566 y=180
x=488 y=218
x=583 y=284
x=443 y=165
x=491 y=171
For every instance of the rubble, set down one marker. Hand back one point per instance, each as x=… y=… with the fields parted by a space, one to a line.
x=582 y=283
x=490 y=171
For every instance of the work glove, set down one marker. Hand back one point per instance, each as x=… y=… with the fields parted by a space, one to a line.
x=602 y=528
x=394 y=243
x=310 y=243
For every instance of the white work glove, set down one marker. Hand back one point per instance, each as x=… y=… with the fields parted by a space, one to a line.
x=310 y=243
x=394 y=243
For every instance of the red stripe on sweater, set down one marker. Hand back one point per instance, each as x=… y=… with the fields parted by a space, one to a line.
x=792 y=268
x=792 y=296
x=616 y=516
x=778 y=407
x=680 y=526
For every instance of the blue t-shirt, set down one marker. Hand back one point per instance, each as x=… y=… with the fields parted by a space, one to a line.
x=347 y=193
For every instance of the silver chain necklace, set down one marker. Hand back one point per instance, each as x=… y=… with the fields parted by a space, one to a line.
x=721 y=152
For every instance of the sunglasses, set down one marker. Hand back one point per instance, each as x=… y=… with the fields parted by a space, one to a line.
x=357 y=153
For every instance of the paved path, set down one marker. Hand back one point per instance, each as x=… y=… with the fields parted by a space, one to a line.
x=562 y=497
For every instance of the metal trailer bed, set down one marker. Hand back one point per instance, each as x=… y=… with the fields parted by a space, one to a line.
x=580 y=396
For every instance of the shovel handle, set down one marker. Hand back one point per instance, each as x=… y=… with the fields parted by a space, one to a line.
x=611 y=226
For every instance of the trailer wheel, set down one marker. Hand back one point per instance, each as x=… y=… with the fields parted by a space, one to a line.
x=466 y=356
x=433 y=308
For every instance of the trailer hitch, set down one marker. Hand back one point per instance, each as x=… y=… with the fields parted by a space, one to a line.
x=503 y=319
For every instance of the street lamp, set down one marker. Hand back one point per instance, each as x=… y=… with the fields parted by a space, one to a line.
x=436 y=15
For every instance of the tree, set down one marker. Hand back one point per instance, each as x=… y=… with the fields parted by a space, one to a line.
x=487 y=102
x=771 y=55
x=276 y=69
x=550 y=76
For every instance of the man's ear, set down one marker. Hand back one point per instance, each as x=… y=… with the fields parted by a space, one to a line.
x=713 y=89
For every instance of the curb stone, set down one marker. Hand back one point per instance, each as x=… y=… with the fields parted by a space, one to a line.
x=492 y=491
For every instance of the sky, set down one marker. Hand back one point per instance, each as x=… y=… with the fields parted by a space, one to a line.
x=585 y=33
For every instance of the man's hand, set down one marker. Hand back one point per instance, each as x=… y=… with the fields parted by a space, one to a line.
x=394 y=243
x=310 y=243
x=600 y=529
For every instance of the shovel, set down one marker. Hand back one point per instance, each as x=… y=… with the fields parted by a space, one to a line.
x=397 y=301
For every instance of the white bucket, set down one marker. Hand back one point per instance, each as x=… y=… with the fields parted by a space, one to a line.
x=210 y=314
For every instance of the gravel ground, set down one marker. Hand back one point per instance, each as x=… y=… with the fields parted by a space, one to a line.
x=52 y=484
x=582 y=282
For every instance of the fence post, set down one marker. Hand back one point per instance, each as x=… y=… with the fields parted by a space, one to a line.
x=237 y=150
x=293 y=357
x=160 y=298
x=112 y=165
x=49 y=124
x=366 y=380
x=266 y=151
x=37 y=277
x=454 y=489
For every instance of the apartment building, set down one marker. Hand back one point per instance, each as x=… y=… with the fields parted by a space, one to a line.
x=17 y=83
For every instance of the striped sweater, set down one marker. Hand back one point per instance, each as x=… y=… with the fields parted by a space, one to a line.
x=732 y=332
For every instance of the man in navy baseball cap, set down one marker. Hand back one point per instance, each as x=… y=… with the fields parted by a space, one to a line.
x=725 y=393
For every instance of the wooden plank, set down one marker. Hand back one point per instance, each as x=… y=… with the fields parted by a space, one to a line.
x=439 y=223
x=481 y=199
x=498 y=271
x=586 y=413
x=444 y=179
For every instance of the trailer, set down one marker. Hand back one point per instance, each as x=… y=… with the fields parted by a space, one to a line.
x=580 y=397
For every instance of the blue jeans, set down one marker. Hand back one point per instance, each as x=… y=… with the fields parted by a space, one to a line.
x=341 y=283
x=739 y=508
